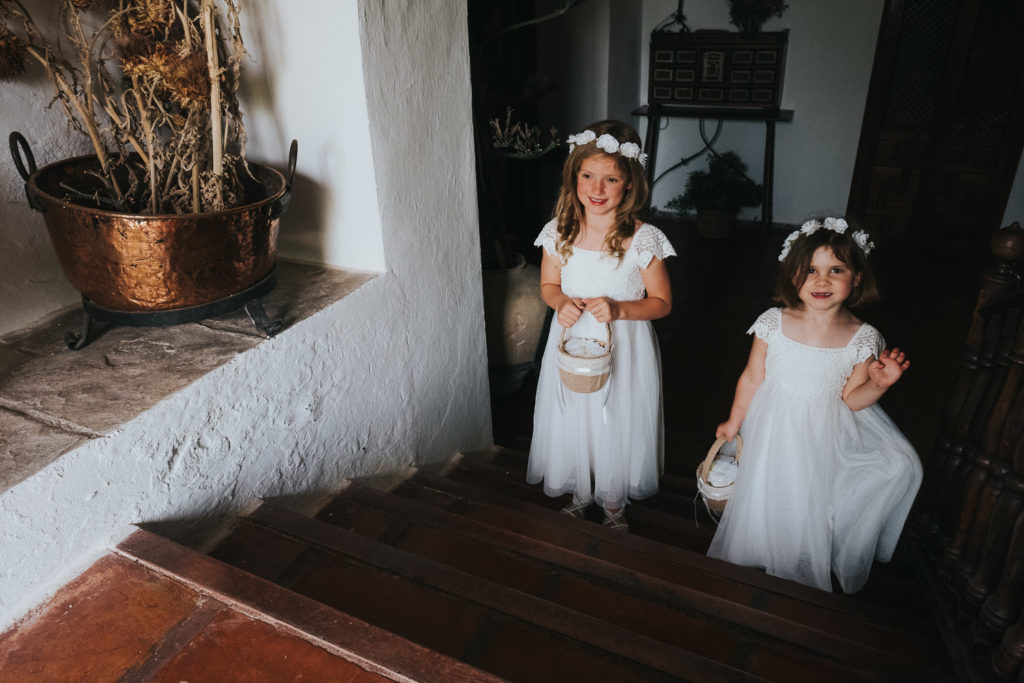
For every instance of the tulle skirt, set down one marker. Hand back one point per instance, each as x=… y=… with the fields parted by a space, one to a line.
x=821 y=490
x=607 y=446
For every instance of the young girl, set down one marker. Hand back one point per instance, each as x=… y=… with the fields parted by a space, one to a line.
x=599 y=260
x=826 y=479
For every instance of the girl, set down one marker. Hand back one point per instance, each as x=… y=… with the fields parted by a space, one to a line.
x=826 y=480
x=599 y=260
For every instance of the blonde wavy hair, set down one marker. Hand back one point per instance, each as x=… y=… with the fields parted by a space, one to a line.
x=569 y=212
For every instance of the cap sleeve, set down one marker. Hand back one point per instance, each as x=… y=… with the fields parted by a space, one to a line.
x=649 y=242
x=767 y=324
x=547 y=238
x=867 y=343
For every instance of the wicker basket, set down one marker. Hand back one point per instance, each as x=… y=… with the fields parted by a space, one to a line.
x=716 y=496
x=585 y=374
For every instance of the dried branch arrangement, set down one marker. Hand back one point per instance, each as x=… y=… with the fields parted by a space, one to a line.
x=152 y=83
x=521 y=140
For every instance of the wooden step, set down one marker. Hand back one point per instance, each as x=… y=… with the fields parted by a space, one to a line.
x=665 y=611
x=331 y=630
x=644 y=555
x=450 y=611
x=675 y=516
x=662 y=517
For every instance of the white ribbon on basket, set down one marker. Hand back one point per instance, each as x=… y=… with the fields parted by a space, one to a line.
x=584 y=371
x=707 y=464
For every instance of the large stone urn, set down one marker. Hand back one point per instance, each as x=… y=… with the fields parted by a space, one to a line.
x=514 y=314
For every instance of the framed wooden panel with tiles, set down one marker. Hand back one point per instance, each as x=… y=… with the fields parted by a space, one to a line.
x=718 y=69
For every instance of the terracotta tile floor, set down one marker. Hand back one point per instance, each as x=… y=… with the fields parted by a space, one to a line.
x=719 y=288
x=121 y=621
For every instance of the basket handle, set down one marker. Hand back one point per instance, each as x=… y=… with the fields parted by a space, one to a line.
x=608 y=327
x=713 y=451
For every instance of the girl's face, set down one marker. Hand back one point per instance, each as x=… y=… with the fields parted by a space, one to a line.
x=829 y=281
x=600 y=185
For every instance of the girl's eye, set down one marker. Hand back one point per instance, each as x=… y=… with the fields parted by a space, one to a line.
x=837 y=270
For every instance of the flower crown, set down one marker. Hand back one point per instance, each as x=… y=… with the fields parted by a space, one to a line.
x=835 y=225
x=609 y=144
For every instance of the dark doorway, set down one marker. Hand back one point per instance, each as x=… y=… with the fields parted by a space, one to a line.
x=944 y=122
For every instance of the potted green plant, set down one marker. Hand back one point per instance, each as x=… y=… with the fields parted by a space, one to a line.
x=749 y=15
x=716 y=194
x=166 y=214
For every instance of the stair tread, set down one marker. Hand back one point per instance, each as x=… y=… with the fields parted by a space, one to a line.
x=353 y=639
x=672 y=518
x=429 y=588
x=654 y=557
x=506 y=556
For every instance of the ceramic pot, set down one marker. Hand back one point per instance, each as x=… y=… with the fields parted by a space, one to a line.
x=514 y=316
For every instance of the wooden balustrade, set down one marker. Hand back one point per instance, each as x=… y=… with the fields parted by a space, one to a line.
x=951 y=462
x=958 y=556
x=970 y=515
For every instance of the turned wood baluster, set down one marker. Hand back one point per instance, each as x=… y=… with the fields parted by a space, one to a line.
x=1006 y=246
x=977 y=524
x=984 y=437
x=972 y=413
x=1003 y=607
x=1005 y=512
x=1008 y=658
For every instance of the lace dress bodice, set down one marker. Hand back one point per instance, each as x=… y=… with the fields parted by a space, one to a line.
x=812 y=370
x=590 y=273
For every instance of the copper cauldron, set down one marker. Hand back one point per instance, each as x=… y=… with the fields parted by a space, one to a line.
x=137 y=263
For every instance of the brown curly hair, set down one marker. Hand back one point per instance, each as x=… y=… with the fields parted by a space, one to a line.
x=793 y=269
x=569 y=212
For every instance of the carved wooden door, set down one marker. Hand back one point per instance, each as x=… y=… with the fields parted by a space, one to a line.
x=944 y=121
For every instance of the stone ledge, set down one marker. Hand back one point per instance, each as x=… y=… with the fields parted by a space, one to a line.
x=53 y=399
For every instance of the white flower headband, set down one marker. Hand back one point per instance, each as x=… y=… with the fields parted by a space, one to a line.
x=835 y=225
x=609 y=144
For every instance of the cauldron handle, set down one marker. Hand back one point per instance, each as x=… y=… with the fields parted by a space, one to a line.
x=16 y=140
x=285 y=199
x=293 y=155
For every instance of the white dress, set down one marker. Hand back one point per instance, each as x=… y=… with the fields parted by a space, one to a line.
x=821 y=489
x=606 y=446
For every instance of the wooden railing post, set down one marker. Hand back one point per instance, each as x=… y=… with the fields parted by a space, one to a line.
x=947 y=467
x=976 y=496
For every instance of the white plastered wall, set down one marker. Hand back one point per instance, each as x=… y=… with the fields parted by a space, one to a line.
x=828 y=71
x=392 y=376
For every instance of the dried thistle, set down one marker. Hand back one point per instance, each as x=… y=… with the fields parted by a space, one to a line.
x=154 y=89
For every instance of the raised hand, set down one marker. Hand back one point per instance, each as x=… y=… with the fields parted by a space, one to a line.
x=604 y=309
x=570 y=311
x=888 y=368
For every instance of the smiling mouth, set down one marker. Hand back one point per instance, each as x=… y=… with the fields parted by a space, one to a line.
x=821 y=295
x=595 y=200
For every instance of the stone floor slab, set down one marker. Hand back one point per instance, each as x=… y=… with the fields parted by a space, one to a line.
x=27 y=446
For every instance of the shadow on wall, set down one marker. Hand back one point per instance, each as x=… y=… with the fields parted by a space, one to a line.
x=302 y=235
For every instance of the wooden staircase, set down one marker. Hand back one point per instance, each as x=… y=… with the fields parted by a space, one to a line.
x=475 y=575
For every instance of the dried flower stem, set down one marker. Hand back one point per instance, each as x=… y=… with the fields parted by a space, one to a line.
x=215 y=116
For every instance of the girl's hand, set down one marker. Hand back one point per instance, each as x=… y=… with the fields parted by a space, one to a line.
x=604 y=309
x=570 y=311
x=888 y=368
x=727 y=430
